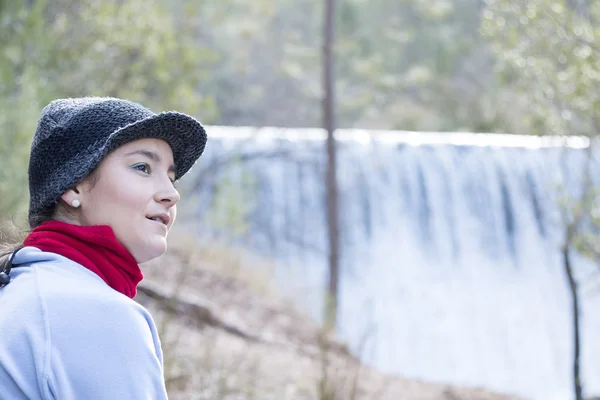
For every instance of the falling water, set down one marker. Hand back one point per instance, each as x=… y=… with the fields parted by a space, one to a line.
x=451 y=266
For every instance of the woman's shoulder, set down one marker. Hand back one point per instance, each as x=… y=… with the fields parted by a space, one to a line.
x=81 y=295
x=60 y=279
x=54 y=269
x=67 y=288
x=67 y=294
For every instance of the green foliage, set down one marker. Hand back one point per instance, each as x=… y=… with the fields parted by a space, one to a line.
x=550 y=51
x=402 y=65
x=112 y=49
x=22 y=91
x=399 y=64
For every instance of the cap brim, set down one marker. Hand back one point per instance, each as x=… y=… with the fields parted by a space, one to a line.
x=184 y=134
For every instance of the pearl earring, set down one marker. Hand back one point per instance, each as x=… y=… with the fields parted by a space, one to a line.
x=76 y=203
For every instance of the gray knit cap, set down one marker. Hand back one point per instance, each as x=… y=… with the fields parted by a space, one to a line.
x=74 y=135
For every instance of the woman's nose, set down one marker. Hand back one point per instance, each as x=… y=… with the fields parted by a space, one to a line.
x=168 y=194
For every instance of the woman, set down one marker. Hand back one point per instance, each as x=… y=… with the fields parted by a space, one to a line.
x=102 y=200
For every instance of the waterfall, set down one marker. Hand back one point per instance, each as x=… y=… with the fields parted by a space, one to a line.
x=451 y=269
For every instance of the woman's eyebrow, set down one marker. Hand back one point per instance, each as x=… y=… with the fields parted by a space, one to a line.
x=153 y=156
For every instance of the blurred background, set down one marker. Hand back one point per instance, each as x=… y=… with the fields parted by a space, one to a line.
x=447 y=240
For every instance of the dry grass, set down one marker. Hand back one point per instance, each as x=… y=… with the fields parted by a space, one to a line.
x=229 y=262
x=10 y=232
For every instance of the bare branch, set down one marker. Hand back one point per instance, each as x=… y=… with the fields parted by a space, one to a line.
x=199 y=314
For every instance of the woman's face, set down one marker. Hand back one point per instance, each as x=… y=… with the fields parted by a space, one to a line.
x=132 y=192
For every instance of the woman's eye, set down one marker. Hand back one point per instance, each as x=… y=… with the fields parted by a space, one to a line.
x=145 y=168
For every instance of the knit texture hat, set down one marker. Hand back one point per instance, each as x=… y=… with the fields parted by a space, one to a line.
x=74 y=135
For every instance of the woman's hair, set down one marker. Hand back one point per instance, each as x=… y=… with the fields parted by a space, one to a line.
x=6 y=250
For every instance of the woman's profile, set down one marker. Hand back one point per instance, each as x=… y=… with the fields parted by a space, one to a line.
x=102 y=200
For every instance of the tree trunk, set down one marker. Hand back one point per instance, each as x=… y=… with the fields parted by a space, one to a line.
x=331 y=300
x=575 y=311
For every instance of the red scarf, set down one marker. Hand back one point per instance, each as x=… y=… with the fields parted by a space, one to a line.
x=94 y=247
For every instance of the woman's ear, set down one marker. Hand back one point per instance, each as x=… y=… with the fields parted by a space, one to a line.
x=71 y=197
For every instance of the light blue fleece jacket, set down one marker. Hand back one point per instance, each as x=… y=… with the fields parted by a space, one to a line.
x=65 y=334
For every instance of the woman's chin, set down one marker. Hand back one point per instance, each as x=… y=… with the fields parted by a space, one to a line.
x=153 y=250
